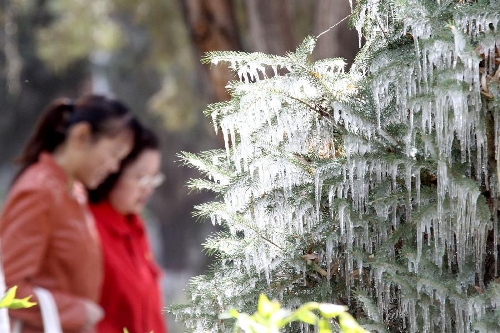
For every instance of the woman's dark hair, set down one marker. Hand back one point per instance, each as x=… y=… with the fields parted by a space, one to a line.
x=106 y=117
x=144 y=139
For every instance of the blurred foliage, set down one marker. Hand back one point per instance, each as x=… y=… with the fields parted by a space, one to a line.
x=78 y=28
x=147 y=36
x=157 y=39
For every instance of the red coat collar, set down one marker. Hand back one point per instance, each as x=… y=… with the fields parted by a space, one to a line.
x=115 y=222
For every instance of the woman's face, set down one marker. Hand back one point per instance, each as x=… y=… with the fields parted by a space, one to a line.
x=136 y=183
x=99 y=158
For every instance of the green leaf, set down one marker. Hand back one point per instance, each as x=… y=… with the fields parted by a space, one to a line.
x=247 y=324
x=232 y=313
x=266 y=307
x=331 y=310
x=307 y=316
x=22 y=303
x=324 y=326
x=9 y=300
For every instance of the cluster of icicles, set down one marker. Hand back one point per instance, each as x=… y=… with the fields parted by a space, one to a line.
x=454 y=225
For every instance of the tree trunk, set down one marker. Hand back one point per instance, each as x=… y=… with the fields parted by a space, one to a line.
x=340 y=41
x=270 y=26
x=212 y=26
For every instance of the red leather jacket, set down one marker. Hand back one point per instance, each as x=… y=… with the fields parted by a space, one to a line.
x=130 y=293
x=48 y=239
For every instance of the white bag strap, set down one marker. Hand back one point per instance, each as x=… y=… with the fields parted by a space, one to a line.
x=50 y=316
x=17 y=326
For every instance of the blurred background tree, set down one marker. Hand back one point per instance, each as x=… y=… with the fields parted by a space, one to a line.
x=147 y=53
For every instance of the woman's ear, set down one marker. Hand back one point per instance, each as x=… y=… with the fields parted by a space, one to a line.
x=80 y=134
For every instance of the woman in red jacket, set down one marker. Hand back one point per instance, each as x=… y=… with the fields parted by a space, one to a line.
x=131 y=296
x=48 y=236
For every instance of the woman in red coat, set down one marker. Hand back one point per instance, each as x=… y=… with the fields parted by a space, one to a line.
x=131 y=296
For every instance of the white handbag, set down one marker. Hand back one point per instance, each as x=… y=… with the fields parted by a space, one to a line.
x=50 y=316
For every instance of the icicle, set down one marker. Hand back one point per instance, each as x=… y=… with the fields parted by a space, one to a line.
x=225 y=135
x=317 y=193
x=328 y=254
x=341 y=219
x=417 y=187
